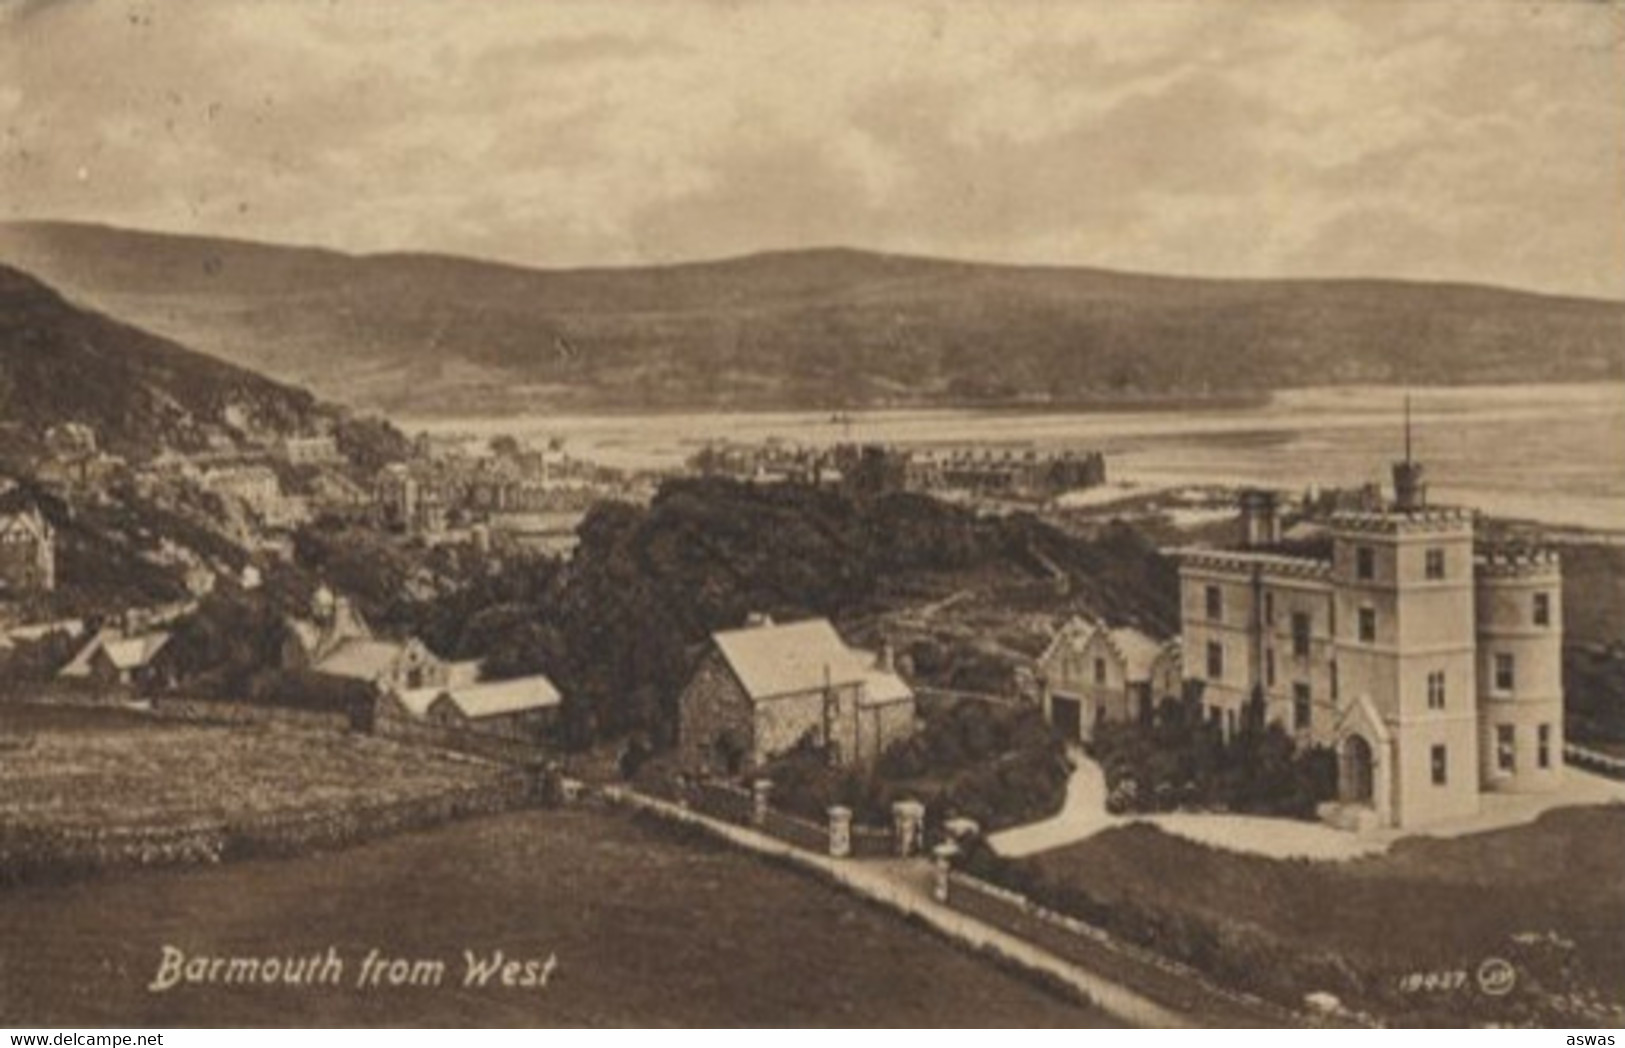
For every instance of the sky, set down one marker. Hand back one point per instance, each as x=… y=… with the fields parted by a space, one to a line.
x=1477 y=141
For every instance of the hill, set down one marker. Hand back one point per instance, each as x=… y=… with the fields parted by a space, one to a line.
x=140 y=392
x=819 y=328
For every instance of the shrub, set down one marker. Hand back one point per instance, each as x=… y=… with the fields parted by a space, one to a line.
x=1178 y=760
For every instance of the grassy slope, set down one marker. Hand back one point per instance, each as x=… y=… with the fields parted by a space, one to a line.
x=796 y=328
x=648 y=929
x=1426 y=904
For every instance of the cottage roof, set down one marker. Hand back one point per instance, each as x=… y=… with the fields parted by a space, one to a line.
x=1077 y=627
x=129 y=653
x=25 y=525
x=418 y=700
x=360 y=659
x=79 y=665
x=882 y=687
x=773 y=659
x=1137 y=650
x=344 y=624
x=497 y=698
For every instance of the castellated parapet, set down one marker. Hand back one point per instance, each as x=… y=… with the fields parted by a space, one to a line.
x=1241 y=562
x=1542 y=564
x=1401 y=522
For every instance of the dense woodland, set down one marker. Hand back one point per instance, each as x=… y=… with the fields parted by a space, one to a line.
x=619 y=626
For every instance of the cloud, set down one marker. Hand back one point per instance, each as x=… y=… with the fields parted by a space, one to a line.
x=1447 y=140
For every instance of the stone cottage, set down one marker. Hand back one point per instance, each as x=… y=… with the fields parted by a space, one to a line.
x=759 y=691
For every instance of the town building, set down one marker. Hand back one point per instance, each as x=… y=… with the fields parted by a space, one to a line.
x=767 y=688
x=336 y=642
x=27 y=553
x=523 y=708
x=1090 y=674
x=1430 y=664
x=114 y=659
x=308 y=451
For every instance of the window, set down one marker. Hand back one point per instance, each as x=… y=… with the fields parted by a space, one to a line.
x=1543 y=749
x=1215 y=660
x=1300 y=634
x=1441 y=766
x=1505 y=671
x=1215 y=603
x=1269 y=609
x=1368 y=625
x=1506 y=757
x=1100 y=671
x=1365 y=563
x=1543 y=609
x=1301 y=706
x=1434 y=563
x=1334 y=680
x=1269 y=667
x=1436 y=690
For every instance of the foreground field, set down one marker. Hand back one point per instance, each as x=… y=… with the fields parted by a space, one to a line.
x=648 y=928
x=1551 y=894
x=85 y=767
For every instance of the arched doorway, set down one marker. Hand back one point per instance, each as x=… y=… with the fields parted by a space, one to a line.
x=1354 y=771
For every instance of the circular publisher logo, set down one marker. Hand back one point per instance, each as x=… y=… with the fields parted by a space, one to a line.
x=1496 y=977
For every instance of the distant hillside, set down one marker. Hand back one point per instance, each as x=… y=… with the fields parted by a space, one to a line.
x=140 y=392
x=803 y=329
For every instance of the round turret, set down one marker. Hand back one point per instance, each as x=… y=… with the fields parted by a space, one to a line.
x=1518 y=607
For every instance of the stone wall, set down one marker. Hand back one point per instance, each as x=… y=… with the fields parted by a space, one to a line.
x=55 y=853
x=798 y=832
x=204 y=711
x=714 y=708
x=784 y=721
x=410 y=730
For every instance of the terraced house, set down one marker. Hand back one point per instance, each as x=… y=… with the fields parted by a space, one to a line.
x=1431 y=665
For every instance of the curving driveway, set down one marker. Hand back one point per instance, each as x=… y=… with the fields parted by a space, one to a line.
x=1084 y=815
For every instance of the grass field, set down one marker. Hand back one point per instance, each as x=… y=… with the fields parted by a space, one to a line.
x=1427 y=904
x=649 y=928
x=94 y=767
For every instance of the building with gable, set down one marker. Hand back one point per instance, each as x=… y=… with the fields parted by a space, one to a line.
x=522 y=708
x=1430 y=664
x=762 y=690
x=1091 y=673
x=336 y=642
x=112 y=658
x=27 y=553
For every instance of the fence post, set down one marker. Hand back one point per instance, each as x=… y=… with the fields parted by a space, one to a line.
x=908 y=821
x=840 y=832
x=761 y=791
x=942 y=860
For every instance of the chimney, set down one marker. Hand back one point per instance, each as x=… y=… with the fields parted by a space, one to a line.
x=884 y=658
x=1260 y=519
x=757 y=620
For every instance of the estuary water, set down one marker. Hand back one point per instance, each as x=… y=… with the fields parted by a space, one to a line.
x=1546 y=452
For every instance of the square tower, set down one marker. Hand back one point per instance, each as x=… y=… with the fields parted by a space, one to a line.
x=1405 y=641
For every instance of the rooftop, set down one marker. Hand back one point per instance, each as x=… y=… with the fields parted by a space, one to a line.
x=772 y=660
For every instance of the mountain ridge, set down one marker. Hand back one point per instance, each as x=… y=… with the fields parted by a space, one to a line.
x=423 y=332
x=141 y=393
